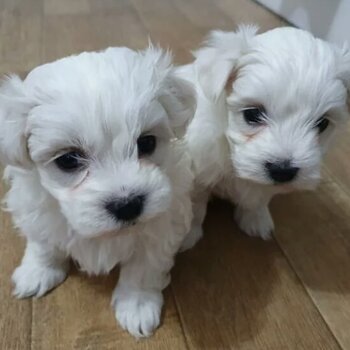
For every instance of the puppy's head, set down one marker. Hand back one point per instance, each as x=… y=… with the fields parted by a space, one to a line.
x=96 y=129
x=285 y=94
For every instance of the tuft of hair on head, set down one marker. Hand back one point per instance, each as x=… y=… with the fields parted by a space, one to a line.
x=175 y=94
x=218 y=57
x=225 y=40
x=162 y=57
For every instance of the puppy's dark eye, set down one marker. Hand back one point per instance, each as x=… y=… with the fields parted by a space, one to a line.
x=254 y=115
x=70 y=161
x=146 y=145
x=322 y=124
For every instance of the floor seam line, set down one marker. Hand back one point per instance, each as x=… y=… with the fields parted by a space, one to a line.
x=180 y=317
x=290 y=264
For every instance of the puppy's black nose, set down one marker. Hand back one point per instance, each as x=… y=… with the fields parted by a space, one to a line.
x=281 y=171
x=127 y=209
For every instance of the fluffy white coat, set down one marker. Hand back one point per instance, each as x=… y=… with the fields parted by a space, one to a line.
x=100 y=104
x=296 y=83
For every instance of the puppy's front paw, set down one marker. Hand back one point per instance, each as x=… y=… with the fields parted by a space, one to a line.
x=192 y=238
x=138 y=312
x=255 y=223
x=36 y=280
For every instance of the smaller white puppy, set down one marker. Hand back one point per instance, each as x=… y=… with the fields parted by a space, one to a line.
x=268 y=105
x=97 y=175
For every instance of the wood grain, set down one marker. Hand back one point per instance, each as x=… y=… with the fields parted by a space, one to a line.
x=310 y=230
x=95 y=30
x=235 y=292
x=78 y=315
x=230 y=292
x=21 y=35
x=168 y=27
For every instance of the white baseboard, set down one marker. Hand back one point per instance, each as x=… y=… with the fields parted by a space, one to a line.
x=327 y=19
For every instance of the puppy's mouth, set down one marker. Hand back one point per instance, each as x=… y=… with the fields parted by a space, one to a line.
x=299 y=183
x=277 y=187
x=125 y=229
x=295 y=186
x=285 y=188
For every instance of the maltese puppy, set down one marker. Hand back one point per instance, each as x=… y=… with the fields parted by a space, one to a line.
x=97 y=174
x=267 y=107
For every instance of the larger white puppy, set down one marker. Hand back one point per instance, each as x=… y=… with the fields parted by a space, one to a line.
x=96 y=175
x=267 y=107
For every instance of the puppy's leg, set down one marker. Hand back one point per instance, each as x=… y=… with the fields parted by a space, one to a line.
x=199 y=207
x=252 y=213
x=138 y=298
x=42 y=268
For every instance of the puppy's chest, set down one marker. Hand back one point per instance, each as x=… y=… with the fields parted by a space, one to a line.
x=100 y=256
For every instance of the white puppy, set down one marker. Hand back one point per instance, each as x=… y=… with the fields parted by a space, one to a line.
x=96 y=174
x=267 y=107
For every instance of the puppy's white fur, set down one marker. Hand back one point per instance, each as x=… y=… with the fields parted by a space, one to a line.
x=99 y=103
x=297 y=79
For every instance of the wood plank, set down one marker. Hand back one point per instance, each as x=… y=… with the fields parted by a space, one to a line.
x=78 y=315
x=235 y=292
x=311 y=230
x=169 y=27
x=95 y=30
x=204 y=15
x=21 y=35
x=15 y=315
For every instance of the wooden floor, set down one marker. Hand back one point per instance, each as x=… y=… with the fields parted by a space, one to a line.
x=231 y=291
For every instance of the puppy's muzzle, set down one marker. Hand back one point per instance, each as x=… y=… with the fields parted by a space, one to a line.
x=126 y=209
x=282 y=171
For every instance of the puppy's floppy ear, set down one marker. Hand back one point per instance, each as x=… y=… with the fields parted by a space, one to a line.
x=14 y=109
x=175 y=94
x=216 y=60
x=179 y=101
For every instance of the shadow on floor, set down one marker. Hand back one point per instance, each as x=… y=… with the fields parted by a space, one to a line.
x=226 y=279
